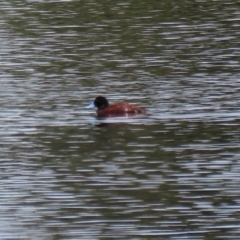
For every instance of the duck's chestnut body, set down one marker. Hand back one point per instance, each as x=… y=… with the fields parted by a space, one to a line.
x=115 y=110
x=120 y=109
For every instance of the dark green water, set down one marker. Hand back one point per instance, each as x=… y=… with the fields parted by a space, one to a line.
x=172 y=174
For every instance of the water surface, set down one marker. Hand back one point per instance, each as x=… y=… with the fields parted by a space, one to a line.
x=172 y=174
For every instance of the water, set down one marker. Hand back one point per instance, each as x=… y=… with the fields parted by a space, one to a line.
x=172 y=174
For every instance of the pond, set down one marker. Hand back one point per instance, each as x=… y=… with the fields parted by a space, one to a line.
x=173 y=173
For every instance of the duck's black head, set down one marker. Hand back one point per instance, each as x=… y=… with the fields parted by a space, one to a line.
x=101 y=102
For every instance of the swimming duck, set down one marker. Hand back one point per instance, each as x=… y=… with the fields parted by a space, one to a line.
x=104 y=109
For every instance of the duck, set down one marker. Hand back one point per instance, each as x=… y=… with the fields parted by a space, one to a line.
x=104 y=109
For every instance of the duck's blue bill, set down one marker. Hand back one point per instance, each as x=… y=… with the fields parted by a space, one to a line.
x=91 y=105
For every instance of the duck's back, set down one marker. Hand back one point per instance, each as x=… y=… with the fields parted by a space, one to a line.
x=120 y=109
